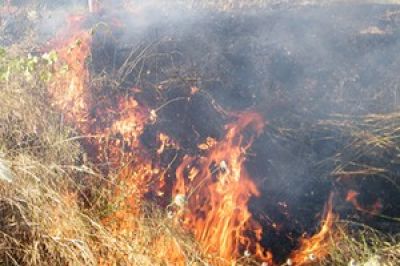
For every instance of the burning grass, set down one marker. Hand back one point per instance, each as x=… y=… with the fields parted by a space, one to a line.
x=43 y=223
x=104 y=179
x=45 y=217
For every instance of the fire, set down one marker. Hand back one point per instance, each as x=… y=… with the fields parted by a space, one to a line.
x=211 y=191
x=316 y=247
x=118 y=133
x=69 y=87
x=127 y=197
x=374 y=209
x=169 y=250
x=217 y=189
x=114 y=140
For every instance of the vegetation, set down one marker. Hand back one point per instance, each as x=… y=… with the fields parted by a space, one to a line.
x=46 y=219
x=43 y=217
x=358 y=244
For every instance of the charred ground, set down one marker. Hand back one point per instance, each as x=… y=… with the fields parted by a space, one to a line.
x=324 y=77
x=297 y=67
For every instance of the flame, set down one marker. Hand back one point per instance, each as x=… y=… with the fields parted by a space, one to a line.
x=217 y=188
x=118 y=133
x=316 y=247
x=211 y=191
x=170 y=251
x=374 y=209
x=127 y=198
x=69 y=87
x=115 y=138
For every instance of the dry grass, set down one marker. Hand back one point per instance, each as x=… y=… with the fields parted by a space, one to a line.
x=41 y=225
x=44 y=219
x=358 y=244
x=40 y=221
x=371 y=142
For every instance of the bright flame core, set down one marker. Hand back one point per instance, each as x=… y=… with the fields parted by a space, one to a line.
x=218 y=188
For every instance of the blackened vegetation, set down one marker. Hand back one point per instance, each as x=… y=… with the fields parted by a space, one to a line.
x=297 y=67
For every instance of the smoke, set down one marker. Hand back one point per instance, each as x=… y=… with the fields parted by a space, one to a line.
x=296 y=66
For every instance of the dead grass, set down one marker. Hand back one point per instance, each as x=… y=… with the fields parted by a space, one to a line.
x=41 y=225
x=45 y=216
x=44 y=219
x=358 y=244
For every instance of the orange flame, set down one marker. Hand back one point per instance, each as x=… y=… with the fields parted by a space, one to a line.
x=211 y=192
x=218 y=191
x=374 y=209
x=70 y=91
x=69 y=87
x=316 y=247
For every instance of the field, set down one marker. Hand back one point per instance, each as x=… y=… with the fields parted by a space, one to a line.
x=200 y=133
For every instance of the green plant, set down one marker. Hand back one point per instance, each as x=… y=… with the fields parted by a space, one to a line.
x=26 y=66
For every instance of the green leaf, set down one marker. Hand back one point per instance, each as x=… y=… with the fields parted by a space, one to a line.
x=2 y=52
